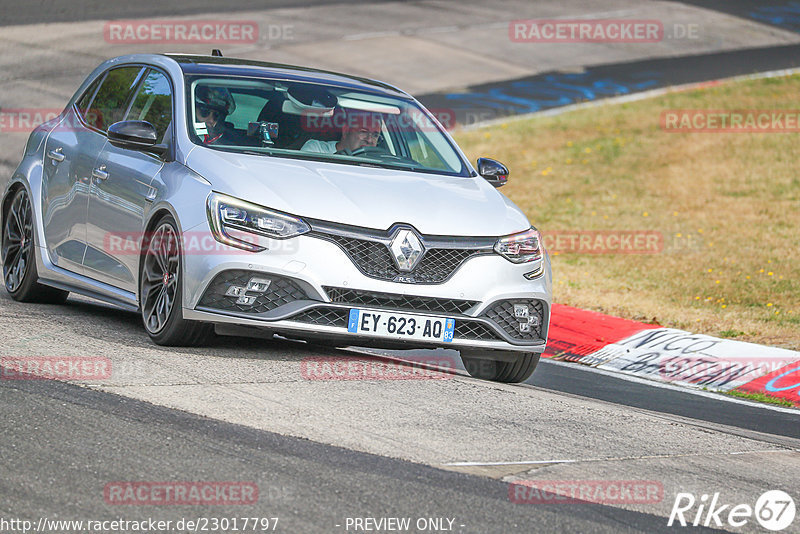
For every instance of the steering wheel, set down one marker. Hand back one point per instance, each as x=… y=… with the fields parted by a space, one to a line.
x=380 y=153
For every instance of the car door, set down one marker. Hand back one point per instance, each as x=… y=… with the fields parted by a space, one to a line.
x=71 y=152
x=121 y=190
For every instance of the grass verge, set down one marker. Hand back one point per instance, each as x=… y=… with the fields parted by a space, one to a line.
x=727 y=206
x=760 y=397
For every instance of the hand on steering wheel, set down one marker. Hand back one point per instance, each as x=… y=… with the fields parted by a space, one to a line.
x=365 y=150
x=381 y=153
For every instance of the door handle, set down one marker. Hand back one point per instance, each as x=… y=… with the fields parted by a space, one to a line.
x=56 y=155
x=100 y=173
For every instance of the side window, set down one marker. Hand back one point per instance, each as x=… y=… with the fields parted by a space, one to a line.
x=248 y=107
x=153 y=103
x=423 y=152
x=86 y=100
x=85 y=110
x=111 y=101
x=425 y=147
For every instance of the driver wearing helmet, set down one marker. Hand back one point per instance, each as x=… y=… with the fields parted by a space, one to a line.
x=212 y=107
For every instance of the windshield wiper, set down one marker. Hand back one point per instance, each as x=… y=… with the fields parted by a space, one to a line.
x=256 y=153
x=378 y=163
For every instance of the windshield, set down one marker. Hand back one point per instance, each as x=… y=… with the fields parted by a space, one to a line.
x=313 y=121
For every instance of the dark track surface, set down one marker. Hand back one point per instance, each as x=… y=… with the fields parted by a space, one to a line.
x=553 y=89
x=91 y=438
x=577 y=380
x=39 y=11
x=784 y=14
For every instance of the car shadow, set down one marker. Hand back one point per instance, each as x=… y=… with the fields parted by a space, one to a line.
x=98 y=320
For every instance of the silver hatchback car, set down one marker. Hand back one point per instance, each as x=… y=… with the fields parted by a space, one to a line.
x=233 y=196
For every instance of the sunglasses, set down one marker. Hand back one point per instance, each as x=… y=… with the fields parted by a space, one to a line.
x=367 y=133
x=203 y=111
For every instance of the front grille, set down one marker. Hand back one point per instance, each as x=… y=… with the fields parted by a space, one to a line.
x=354 y=297
x=374 y=260
x=280 y=291
x=323 y=317
x=502 y=314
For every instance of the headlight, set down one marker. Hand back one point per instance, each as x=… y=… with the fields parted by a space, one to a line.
x=228 y=213
x=522 y=247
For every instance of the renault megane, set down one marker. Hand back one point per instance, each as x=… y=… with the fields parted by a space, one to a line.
x=210 y=193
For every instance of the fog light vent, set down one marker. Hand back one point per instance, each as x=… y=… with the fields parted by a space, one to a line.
x=246 y=300
x=520 y=319
x=250 y=291
x=259 y=285
x=235 y=291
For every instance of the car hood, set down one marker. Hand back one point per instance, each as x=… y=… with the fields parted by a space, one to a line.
x=362 y=196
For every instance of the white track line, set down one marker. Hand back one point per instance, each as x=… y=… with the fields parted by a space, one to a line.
x=531 y=462
x=617 y=458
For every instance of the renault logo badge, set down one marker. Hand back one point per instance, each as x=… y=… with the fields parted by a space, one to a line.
x=406 y=250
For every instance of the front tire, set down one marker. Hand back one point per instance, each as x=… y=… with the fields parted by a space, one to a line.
x=161 y=290
x=511 y=372
x=19 y=258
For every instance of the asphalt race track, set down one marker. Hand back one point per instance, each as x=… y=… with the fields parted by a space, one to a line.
x=308 y=486
x=568 y=424
x=553 y=89
x=325 y=452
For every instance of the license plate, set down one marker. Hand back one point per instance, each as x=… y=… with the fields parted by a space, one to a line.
x=401 y=325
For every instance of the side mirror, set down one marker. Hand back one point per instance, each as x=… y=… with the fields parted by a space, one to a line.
x=493 y=171
x=135 y=135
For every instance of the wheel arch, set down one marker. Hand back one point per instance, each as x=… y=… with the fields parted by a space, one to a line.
x=27 y=176
x=14 y=185
x=155 y=215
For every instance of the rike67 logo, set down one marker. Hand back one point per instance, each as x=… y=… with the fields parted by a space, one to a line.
x=774 y=510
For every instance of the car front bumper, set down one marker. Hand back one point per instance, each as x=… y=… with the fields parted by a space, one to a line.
x=314 y=284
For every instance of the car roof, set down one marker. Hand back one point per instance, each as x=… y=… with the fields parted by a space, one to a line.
x=217 y=65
